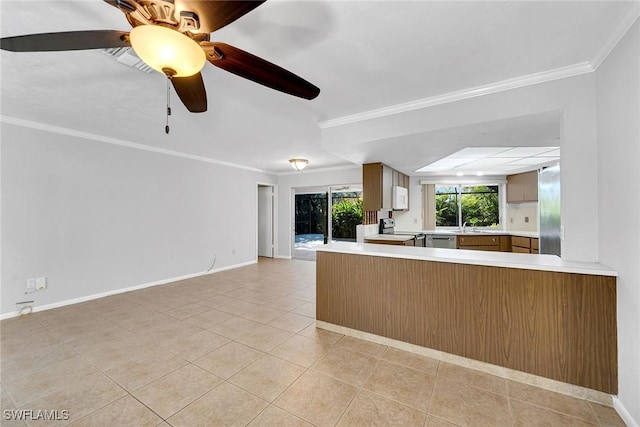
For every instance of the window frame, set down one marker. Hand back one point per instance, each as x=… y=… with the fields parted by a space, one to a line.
x=458 y=191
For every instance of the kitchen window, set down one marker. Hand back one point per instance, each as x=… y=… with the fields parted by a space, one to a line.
x=477 y=206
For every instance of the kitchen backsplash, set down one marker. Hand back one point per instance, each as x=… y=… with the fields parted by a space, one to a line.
x=522 y=216
x=365 y=230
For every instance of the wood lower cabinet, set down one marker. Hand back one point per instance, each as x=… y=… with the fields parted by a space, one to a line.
x=552 y=324
x=485 y=243
x=526 y=245
x=534 y=245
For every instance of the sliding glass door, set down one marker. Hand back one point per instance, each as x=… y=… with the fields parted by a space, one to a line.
x=325 y=214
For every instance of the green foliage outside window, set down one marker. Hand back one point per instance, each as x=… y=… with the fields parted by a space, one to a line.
x=345 y=215
x=446 y=207
x=479 y=206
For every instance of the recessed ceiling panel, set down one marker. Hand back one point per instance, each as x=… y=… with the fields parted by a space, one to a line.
x=552 y=153
x=494 y=160
x=530 y=161
x=525 y=151
x=477 y=152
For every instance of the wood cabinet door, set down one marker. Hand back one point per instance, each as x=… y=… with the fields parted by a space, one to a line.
x=523 y=242
x=531 y=186
x=387 y=187
x=515 y=189
x=534 y=243
x=372 y=186
x=479 y=240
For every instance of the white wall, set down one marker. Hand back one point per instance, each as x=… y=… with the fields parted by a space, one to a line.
x=519 y=213
x=305 y=178
x=94 y=217
x=618 y=107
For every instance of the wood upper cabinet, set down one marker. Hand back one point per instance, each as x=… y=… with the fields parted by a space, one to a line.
x=378 y=181
x=522 y=187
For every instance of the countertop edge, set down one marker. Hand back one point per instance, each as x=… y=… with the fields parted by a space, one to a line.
x=462 y=256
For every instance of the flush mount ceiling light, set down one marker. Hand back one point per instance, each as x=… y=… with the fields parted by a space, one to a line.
x=167 y=51
x=298 y=164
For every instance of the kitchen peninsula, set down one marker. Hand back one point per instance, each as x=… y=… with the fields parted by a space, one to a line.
x=532 y=313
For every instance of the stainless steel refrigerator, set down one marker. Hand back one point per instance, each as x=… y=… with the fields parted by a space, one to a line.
x=549 y=205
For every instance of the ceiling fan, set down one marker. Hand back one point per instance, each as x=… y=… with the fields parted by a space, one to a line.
x=173 y=37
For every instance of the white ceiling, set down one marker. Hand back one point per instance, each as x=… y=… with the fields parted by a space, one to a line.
x=493 y=160
x=364 y=55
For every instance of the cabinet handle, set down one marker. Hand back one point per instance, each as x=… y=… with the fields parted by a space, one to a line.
x=493 y=239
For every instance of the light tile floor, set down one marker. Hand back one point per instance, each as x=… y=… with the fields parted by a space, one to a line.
x=240 y=347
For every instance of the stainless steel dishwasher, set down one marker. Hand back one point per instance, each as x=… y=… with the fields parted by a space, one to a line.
x=441 y=241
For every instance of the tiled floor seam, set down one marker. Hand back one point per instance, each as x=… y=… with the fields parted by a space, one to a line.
x=394 y=400
x=349 y=405
x=511 y=416
x=145 y=384
x=432 y=393
x=546 y=408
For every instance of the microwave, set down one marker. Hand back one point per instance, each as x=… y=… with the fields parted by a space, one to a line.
x=400 y=198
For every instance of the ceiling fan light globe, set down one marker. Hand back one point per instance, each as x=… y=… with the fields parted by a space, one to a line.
x=163 y=48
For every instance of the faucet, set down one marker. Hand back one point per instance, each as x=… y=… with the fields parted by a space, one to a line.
x=464 y=227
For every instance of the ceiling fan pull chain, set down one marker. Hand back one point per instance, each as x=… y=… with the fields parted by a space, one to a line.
x=166 y=128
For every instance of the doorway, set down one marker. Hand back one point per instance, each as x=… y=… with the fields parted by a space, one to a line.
x=266 y=216
x=325 y=214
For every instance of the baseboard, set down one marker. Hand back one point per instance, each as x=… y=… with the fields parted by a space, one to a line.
x=127 y=289
x=283 y=257
x=499 y=371
x=624 y=414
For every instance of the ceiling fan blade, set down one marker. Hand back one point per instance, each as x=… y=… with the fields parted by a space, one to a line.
x=71 y=40
x=215 y=14
x=191 y=92
x=251 y=67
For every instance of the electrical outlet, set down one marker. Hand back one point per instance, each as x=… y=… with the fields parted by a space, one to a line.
x=41 y=283
x=31 y=284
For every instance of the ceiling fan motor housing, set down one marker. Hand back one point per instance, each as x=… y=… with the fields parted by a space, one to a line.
x=158 y=12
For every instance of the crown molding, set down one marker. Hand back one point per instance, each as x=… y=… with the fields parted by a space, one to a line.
x=501 y=86
x=121 y=142
x=627 y=20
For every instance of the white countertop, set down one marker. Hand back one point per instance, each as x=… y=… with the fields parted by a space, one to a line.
x=484 y=232
x=462 y=256
x=390 y=237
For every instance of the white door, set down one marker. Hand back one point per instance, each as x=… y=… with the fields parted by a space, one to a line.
x=265 y=221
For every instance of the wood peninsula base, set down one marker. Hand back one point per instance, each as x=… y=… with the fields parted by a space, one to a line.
x=555 y=324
